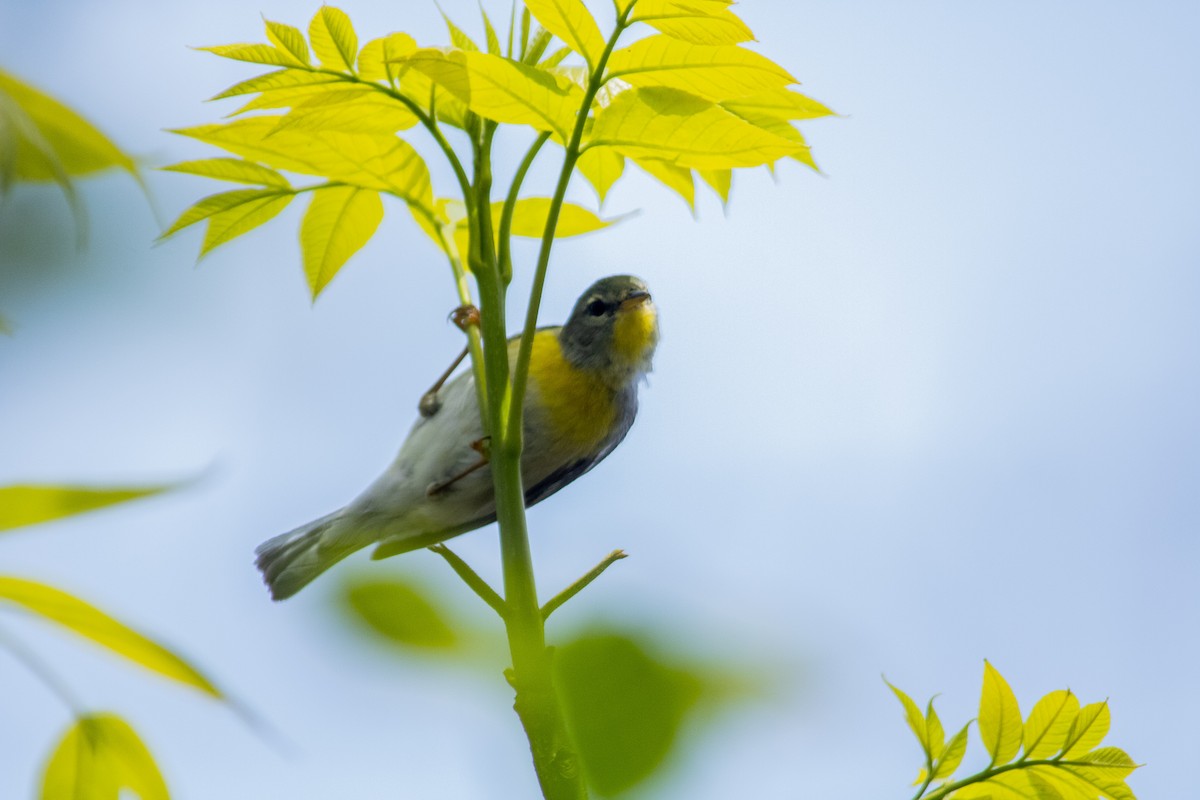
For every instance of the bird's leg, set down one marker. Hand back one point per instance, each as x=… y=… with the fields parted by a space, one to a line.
x=463 y=317
x=479 y=446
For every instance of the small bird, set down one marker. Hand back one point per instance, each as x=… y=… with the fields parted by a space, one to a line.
x=581 y=399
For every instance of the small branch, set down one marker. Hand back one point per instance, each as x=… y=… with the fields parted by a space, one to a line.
x=472 y=579
x=575 y=588
x=46 y=675
x=510 y=205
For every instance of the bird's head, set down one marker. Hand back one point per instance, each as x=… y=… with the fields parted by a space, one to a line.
x=613 y=329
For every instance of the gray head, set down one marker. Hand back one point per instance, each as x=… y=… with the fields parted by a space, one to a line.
x=613 y=329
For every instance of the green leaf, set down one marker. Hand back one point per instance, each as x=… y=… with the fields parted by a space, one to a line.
x=349 y=112
x=288 y=40
x=704 y=22
x=677 y=179
x=1087 y=730
x=231 y=169
x=557 y=57
x=504 y=90
x=253 y=53
x=952 y=754
x=1112 y=761
x=690 y=131
x=98 y=757
x=530 y=213
x=718 y=73
x=296 y=96
x=28 y=504
x=1048 y=724
x=219 y=203
x=73 y=145
x=279 y=79
x=570 y=21
x=1084 y=783
x=333 y=39
x=376 y=61
x=784 y=130
x=934 y=731
x=339 y=222
x=602 y=167
x=625 y=706
x=400 y=612
x=915 y=720
x=381 y=163
x=91 y=623
x=225 y=226
x=493 y=41
x=999 y=717
x=782 y=103
x=458 y=36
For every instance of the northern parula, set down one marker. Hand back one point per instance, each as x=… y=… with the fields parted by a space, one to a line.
x=580 y=402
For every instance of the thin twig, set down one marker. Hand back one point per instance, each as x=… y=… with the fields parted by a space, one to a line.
x=46 y=675
x=472 y=579
x=575 y=588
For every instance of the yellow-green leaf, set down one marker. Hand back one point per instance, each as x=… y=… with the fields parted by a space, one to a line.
x=704 y=22
x=690 y=131
x=288 y=40
x=279 y=79
x=999 y=717
x=232 y=169
x=401 y=613
x=781 y=103
x=1087 y=730
x=381 y=163
x=29 y=505
x=952 y=754
x=721 y=181
x=784 y=130
x=339 y=222
x=333 y=39
x=75 y=146
x=1048 y=724
x=459 y=37
x=914 y=718
x=98 y=757
x=570 y=21
x=375 y=62
x=1111 y=761
x=529 y=218
x=602 y=167
x=91 y=623
x=318 y=93
x=718 y=73
x=1084 y=783
x=493 y=41
x=676 y=178
x=254 y=53
x=225 y=226
x=935 y=733
x=369 y=112
x=218 y=203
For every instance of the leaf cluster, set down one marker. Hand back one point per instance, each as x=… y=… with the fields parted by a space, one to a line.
x=100 y=753
x=1053 y=754
x=688 y=101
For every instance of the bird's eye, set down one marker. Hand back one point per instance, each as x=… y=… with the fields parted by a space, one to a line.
x=597 y=307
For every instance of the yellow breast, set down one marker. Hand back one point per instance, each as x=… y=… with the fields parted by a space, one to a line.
x=635 y=332
x=580 y=409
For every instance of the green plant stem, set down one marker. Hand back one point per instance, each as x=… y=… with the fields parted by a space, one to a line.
x=575 y=588
x=471 y=578
x=991 y=772
x=504 y=255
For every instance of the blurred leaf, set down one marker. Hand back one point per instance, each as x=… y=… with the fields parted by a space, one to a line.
x=29 y=505
x=602 y=167
x=1048 y=724
x=571 y=22
x=373 y=60
x=529 y=218
x=676 y=178
x=340 y=220
x=91 y=623
x=687 y=130
x=458 y=37
x=1000 y=724
x=706 y=22
x=493 y=41
x=400 y=612
x=5 y=330
x=45 y=140
x=232 y=169
x=718 y=73
x=333 y=39
x=624 y=706
x=98 y=757
x=720 y=180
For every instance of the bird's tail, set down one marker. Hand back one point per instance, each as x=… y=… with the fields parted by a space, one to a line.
x=290 y=561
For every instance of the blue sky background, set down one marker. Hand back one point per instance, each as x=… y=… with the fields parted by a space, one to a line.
x=936 y=406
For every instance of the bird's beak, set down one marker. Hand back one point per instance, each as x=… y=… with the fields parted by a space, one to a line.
x=636 y=298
